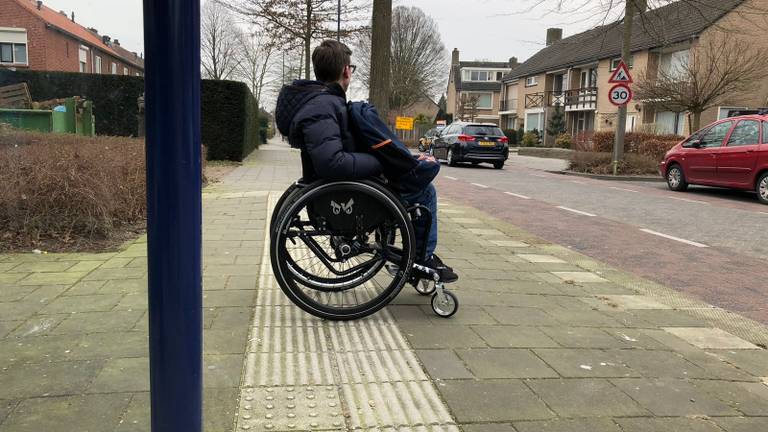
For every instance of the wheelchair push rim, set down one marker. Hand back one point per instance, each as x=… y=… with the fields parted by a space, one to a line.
x=308 y=252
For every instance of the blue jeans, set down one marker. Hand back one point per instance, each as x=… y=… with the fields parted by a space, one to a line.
x=428 y=198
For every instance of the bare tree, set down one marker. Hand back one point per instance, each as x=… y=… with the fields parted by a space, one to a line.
x=300 y=22
x=256 y=55
x=380 y=73
x=718 y=68
x=467 y=109
x=220 y=47
x=418 y=60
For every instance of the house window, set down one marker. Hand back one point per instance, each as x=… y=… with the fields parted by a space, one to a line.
x=499 y=75
x=674 y=64
x=479 y=76
x=615 y=62
x=13 y=46
x=669 y=122
x=125 y=71
x=531 y=81
x=114 y=68
x=83 y=59
x=484 y=100
x=97 y=65
x=534 y=121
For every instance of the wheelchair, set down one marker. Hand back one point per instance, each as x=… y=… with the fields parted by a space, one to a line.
x=342 y=250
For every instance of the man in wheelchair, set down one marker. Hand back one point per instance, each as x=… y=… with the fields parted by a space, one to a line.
x=315 y=117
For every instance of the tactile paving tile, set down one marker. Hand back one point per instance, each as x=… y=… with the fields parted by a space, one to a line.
x=289 y=408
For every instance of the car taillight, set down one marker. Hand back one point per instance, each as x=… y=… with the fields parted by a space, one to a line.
x=504 y=140
x=466 y=138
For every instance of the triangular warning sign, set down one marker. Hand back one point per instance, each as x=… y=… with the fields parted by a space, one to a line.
x=621 y=75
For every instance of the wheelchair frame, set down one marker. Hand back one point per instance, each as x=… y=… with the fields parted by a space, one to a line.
x=425 y=280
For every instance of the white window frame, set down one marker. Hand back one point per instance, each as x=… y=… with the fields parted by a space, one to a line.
x=729 y=108
x=14 y=37
x=469 y=94
x=540 y=125
x=114 y=68
x=97 y=64
x=615 y=63
x=82 y=58
x=531 y=81
x=125 y=70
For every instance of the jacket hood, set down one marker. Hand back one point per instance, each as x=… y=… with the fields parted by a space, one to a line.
x=291 y=98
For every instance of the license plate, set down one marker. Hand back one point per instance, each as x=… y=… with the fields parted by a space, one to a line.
x=487 y=143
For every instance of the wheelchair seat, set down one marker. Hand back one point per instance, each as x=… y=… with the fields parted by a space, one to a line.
x=344 y=249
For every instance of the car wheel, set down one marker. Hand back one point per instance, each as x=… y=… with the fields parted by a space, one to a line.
x=762 y=188
x=449 y=158
x=498 y=165
x=676 y=179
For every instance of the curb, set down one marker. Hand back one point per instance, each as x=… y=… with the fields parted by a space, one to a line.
x=610 y=177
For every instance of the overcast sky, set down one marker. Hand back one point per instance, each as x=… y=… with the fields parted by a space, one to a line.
x=480 y=29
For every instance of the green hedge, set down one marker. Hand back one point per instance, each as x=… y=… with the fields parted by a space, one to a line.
x=230 y=120
x=229 y=113
x=114 y=96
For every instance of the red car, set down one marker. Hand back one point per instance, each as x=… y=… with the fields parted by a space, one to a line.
x=731 y=153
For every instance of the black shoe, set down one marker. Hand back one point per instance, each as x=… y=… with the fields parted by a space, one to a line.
x=447 y=275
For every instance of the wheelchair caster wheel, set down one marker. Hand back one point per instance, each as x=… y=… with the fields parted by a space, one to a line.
x=447 y=307
x=425 y=287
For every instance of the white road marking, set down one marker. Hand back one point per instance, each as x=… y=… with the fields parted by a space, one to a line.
x=517 y=195
x=623 y=189
x=689 y=200
x=576 y=211
x=538 y=175
x=765 y=213
x=667 y=236
x=577 y=182
x=450 y=178
x=479 y=185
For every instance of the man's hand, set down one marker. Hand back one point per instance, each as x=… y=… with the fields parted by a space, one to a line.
x=426 y=157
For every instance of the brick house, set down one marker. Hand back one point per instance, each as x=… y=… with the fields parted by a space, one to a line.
x=478 y=79
x=573 y=72
x=36 y=37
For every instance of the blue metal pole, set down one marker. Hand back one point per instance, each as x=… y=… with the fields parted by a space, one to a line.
x=174 y=212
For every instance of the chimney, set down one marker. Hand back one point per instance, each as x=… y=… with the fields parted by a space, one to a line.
x=455 y=57
x=93 y=30
x=554 y=35
x=73 y=17
x=116 y=42
x=106 y=39
x=61 y=12
x=512 y=61
x=39 y=4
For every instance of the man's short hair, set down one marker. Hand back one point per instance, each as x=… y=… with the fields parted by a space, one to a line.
x=329 y=60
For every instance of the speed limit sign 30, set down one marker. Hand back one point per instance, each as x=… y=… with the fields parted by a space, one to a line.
x=620 y=94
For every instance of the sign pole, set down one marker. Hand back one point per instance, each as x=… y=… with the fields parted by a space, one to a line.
x=174 y=213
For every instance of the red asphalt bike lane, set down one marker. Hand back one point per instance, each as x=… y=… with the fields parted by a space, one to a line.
x=718 y=276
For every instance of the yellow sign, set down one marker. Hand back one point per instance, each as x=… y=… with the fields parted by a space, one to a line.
x=404 y=123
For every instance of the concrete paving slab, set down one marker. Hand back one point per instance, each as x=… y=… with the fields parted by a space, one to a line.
x=66 y=413
x=488 y=427
x=514 y=337
x=633 y=301
x=585 y=398
x=490 y=401
x=534 y=258
x=519 y=315
x=579 y=277
x=443 y=364
x=754 y=362
x=510 y=243
x=581 y=337
x=122 y=375
x=505 y=363
x=748 y=398
x=646 y=424
x=673 y=397
x=712 y=338
x=568 y=425
x=47 y=379
x=434 y=337
x=742 y=424
x=586 y=363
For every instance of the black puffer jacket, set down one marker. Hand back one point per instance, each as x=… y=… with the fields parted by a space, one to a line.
x=314 y=118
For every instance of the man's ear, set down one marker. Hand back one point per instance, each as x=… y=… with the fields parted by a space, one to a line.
x=346 y=73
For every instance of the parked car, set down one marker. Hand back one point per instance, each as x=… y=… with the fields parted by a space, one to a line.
x=472 y=142
x=426 y=140
x=731 y=153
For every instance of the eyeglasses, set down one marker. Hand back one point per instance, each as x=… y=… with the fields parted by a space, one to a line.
x=352 y=68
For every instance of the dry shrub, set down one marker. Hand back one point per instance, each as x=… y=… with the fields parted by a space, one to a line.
x=65 y=191
x=583 y=141
x=602 y=163
x=656 y=148
x=634 y=142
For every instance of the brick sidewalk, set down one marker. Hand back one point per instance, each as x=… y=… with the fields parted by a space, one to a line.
x=545 y=340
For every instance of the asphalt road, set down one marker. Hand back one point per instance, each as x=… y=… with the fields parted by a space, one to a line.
x=709 y=242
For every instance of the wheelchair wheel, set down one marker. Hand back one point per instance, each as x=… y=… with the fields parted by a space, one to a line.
x=287 y=197
x=331 y=243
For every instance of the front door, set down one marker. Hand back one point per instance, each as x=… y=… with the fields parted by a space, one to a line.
x=737 y=160
x=700 y=164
